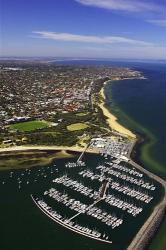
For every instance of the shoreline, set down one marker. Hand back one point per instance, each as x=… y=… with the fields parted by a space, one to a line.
x=112 y=120
x=135 y=155
x=140 y=139
x=45 y=147
x=116 y=127
x=148 y=231
x=18 y=157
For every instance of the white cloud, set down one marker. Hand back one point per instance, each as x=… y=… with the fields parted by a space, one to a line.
x=159 y=22
x=124 y=5
x=68 y=37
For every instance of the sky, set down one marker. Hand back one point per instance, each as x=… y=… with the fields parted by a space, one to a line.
x=113 y=29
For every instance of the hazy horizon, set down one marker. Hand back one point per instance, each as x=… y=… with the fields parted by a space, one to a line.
x=108 y=29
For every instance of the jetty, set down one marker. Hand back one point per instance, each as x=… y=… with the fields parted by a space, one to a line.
x=67 y=223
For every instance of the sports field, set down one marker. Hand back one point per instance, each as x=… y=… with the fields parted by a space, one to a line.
x=77 y=126
x=29 y=126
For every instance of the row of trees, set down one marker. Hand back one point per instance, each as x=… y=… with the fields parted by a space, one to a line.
x=50 y=139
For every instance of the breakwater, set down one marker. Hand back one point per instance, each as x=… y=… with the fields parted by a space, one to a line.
x=150 y=227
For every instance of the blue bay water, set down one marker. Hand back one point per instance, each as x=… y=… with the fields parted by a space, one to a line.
x=141 y=106
x=29 y=229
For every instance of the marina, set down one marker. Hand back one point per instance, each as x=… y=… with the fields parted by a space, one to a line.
x=87 y=200
x=93 y=234
x=99 y=200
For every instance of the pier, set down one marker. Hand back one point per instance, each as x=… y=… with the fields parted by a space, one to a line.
x=84 y=211
x=93 y=234
x=121 y=184
x=82 y=154
x=104 y=187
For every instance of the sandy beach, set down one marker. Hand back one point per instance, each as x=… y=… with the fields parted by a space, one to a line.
x=45 y=147
x=19 y=157
x=112 y=120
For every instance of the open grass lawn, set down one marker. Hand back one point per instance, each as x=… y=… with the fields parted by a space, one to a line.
x=29 y=126
x=77 y=126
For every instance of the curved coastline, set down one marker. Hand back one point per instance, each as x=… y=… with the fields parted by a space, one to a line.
x=118 y=128
x=142 y=149
x=152 y=226
x=112 y=120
